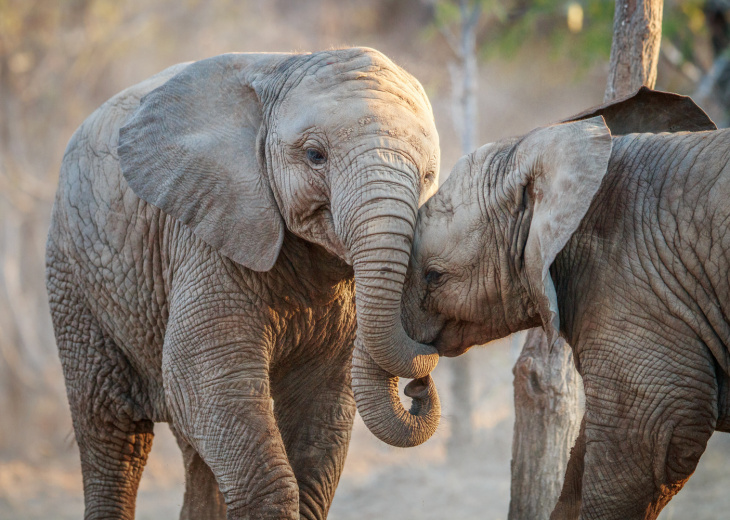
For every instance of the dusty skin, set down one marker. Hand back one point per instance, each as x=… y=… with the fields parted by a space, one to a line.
x=510 y=103
x=618 y=242
x=207 y=234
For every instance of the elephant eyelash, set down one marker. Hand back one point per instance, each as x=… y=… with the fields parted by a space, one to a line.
x=431 y=169
x=313 y=150
x=433 y=277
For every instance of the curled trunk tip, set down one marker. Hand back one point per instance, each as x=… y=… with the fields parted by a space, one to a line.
x=376 y=395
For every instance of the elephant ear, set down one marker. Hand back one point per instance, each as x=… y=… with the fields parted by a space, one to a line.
x=650 y=111
x=191 y=150
x=561 y=167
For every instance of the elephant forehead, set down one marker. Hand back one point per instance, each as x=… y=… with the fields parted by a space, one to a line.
x=384 y=103
x=346 y=122
x=450 y=209
x=392 y=126
x=446 y=233
x=459 y=192
x=359 y=73
x=364 y=63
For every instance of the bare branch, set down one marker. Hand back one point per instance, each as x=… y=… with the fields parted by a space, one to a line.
x=473 y=17
x=708 y=83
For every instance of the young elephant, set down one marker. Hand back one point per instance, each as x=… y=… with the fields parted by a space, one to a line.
x=209 y=229
x=622 y=246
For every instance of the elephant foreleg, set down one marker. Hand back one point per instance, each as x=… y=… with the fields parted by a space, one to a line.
x=315 y=409
x=112 y=460
x=650 y=410
x=217 y=389
x=203 y=499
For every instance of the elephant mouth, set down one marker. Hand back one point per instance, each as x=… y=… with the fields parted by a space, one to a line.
x=457 y=337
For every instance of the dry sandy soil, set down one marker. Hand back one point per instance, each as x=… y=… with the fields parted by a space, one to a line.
x=378 y=481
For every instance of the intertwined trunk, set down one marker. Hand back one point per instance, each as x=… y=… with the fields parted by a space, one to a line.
x=376 y=395
x=380 y=243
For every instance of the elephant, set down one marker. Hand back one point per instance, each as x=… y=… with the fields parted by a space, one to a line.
x=610 y=230
x=223 y=236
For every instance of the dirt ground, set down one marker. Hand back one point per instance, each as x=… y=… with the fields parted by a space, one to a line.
x=378 y=481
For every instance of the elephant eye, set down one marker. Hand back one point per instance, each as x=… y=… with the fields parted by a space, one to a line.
x=316 y=156
x=433 y=277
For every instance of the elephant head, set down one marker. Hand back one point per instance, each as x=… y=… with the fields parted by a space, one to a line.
x=340 y=148
x=485 y=242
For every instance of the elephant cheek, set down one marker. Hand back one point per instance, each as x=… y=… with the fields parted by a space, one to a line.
x=317 y=226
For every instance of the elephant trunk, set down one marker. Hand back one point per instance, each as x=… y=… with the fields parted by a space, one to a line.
x=380 y=265
x=376 y=395
x=381 y=249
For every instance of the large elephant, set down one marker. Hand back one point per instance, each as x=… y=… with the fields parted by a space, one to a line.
x=214 y=229
x=621 y=245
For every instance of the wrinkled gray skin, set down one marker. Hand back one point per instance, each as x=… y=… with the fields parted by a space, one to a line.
x=621 y=244
x=209 y=230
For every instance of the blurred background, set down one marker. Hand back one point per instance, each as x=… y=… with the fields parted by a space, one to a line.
x=499 y=69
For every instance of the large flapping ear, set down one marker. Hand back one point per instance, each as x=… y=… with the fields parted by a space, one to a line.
x=650 y=111
x=191 y=150
x=562 y=167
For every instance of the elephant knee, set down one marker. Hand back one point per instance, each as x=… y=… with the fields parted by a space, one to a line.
x=677 y=450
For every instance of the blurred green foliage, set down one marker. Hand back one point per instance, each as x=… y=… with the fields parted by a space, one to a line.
x=684 y=24
x=508 y=27
x=545 y=22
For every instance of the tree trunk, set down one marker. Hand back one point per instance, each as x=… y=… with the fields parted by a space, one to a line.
x=546 y=424
x=637 y=34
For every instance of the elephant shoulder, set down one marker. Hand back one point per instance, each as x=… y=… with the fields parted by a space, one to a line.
x=93 y=201
x=99 y=134
x=90 y=165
